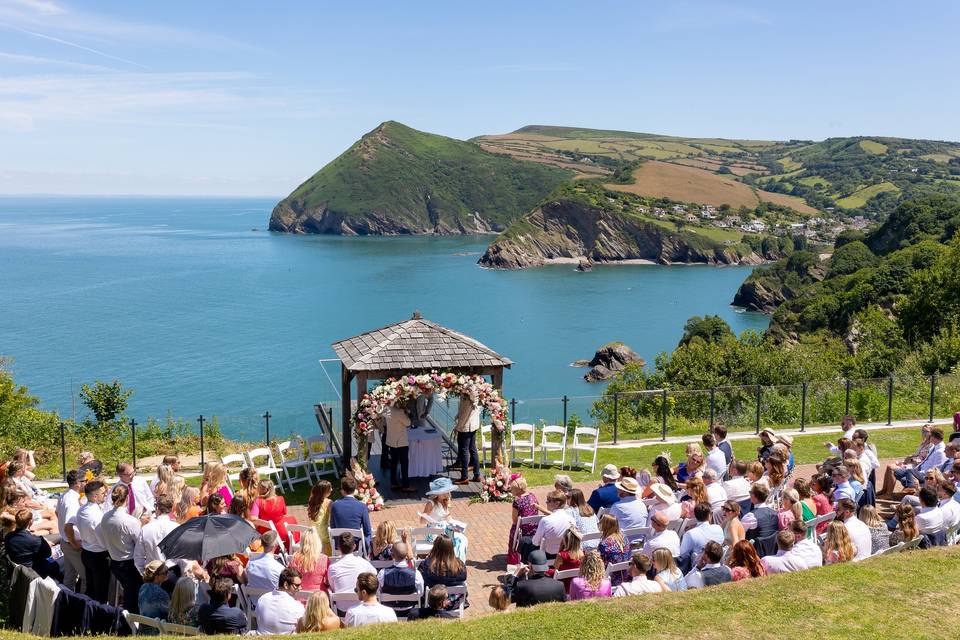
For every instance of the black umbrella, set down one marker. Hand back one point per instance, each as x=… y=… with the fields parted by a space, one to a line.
x=206 y=537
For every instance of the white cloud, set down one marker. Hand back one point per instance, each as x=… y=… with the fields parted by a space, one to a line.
x=21 y=58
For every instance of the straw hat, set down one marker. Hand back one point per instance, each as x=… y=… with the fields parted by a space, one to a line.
x=628 y=485
x=610 y=472
x=786 y=440
x=769 y=432
x=664 y=492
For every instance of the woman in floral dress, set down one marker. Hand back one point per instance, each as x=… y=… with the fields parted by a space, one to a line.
x=524 y=504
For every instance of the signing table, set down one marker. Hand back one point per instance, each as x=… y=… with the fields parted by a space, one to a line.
x=426 y=458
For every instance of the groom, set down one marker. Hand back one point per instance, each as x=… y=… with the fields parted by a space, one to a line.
x=468 y=423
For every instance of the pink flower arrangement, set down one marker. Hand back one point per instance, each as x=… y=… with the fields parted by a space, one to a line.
x=496 y=486
x=366 y=487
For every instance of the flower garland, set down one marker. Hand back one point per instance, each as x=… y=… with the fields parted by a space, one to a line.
x=366 y=487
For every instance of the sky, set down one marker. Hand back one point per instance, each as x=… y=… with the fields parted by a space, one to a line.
x=250 y=98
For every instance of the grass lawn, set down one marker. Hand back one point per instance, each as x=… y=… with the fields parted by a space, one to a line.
x=873 y=147
x=859 y=198
x=716 y=233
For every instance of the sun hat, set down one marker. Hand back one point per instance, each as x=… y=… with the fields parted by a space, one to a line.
x=787 y=440
x=440 y=486
x=628 y=485
x=538 y=561
x=769 y=432
x=610 y=472
x=664 y=492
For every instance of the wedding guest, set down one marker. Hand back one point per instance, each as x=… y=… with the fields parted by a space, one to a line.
x=906 y=528
x=605 y=496
x=662 y=474
x=744 y=562
x=270 y=506
x=570 y=555
x=532 y=585
x=188 y=506
x=119 y=532
x=318 y=511
x=662 y=538
x=439 y=510
x=263 y=570
x=723 y=444
x=348 y=512
x=837 y=547
x=859 y=533
x=147 y=547
x=640 y=565
x=153 y=600
x=737 y=486
x=139 y=496
x=368 y=611
x=666 y=502
x=310 y=561
x=716 y=494
x=442 y=566
x=30 y=550
x=585 y=520
x=183 y=602
x=629 y=511
x=668 y=576
x=318 y=615
x=402 y=578
x=67 y=508
x=790 y=509
x=781 y=562
x=499 y=599
x=710 y=570
x=342 y=574
x=217 y=616
x=767 y=438
x=716 y=459
x=383 y=540
x=215 y=480
x=216 y=505
x=278 y=612
x=613 y=547
x=162 y=482
x=733 y=531
x=591 y=583
x=249 y=485
x=227 y=567
x=695 y=540
x=879 y=534
x=467 y=425
x=93 y=552
x=694 y=465
x=551 y=528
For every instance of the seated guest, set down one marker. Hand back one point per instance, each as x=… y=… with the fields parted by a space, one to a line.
x=153 y=600
x=696 y=492
x=710 y=569
x=666 y=502
x=949 y=506
x=217 y=616
x=934 y=460
x=437 y=603
x=761 y=523
x=278 y=612
x=837 y=547
x=879 y=534
x=767 y=438
x=790 y=509
x=532 y=585
x=806 y=553
x=613 y=547
x=930 y=518
x=317 y=615
x=899 y=469
x=755 y=475
x=694 y=465
x=263 y=571
x=228 y=567
x=694 y=540
x=499 y=599
x=310 y=561
x=906 y=526
x=605 y=496
x=821 y=487
x=570 y=555
x=857 y=481
x=716 y=494
x=668 y=576
x=744 y=562
x=443 y=566
x=216 y=505
x=525 y=505
x=183 y=602
x=733 y=531
x=640 y=565
x=342 y=574
x=584 y=518
x=663 y=538
x=629 y=511
x=381 y=547
x=859 y=533
x=716 y=459
x=350 y=513
x=780 y=563
x=591 y=583
x=551 y=528
x=808 y=506
x=368 y=611
x=402 y=578
x=30 y=550
x=662 y=474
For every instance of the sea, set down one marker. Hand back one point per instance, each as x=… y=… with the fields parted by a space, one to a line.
x=196 y=307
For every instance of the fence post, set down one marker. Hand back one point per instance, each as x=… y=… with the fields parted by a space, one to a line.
x=616 y=415
x=565 y=401
x=203 y=462
x=513 y=411
x=266 y=419
x=933 y=394
x=712 y=395
x=133 y=440
x=759 y=391
x=63 y=449
x=846 y=405
x=663 y=411
x=890 y=401
x=803 y=408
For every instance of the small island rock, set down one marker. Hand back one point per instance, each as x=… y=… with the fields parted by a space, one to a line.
x=610 y=359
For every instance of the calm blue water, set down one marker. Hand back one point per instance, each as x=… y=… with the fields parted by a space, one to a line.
x=183 y=302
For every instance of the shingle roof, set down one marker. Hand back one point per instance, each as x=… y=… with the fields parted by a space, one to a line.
x=415 y=344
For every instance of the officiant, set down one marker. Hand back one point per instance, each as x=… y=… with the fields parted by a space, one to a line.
x=421 y=410
x=397 y=422
x=468 y=423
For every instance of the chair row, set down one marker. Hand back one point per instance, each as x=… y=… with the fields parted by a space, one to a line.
x=313 y=455
x=136 y=622
x=553 y=440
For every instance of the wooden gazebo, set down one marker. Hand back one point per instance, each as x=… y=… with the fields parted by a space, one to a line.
x=412 y=346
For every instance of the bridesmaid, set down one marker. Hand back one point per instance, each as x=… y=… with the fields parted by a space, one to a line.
x=318 y=510
x=215 y=481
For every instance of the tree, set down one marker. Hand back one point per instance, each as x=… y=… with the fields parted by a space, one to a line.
x=850 y=258
x=106 y=400
x=708 y=328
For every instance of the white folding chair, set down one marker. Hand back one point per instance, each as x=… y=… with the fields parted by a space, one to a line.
x=323 y=461
x=548 y=444
x=421 y=538
x=952 y=534
x=522 y=520
x=406 y=602
x=458 y=590
x=913 y=544
x=171 y=629
x=248 y=602
x=296 y=528
x=379 y=565
x=268 y=468
x=585 y=439
x=813 y=523
x=486 y=443
x=135 y=621
x=231 y=459
x=291 y=461
x=614 y=567
x=522 y=436
x=897 y=548
x=590 y=537
x=357 y=534
x=635 y=535
x=342 y=601
x=566 y=574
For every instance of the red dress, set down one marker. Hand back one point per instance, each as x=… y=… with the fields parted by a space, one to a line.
x=275 y=510
x=315 y=580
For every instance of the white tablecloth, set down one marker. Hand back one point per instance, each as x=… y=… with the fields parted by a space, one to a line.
x=425 y=452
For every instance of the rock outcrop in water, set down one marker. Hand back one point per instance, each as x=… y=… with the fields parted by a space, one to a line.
x=609 y=359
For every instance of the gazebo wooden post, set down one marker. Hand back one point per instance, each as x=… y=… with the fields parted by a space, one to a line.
x=346 y=410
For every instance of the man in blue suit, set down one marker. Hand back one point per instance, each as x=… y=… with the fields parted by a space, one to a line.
x=348 y=512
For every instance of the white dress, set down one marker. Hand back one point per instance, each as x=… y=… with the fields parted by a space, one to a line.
x=442 y=515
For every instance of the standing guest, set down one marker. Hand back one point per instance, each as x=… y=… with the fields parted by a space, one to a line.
x=669 y=576
x=397 y=422
x=318 y=511
x=723 y=444
x=859 y=533
x=215 y=480
x=310 y=561
x=662 y=538
x=269 y=506
x=525 y=504
x=781 y=562
x=217 y=616
x=249 y=485
x=189 y=505
x=139 y=495
x=605 y=496
x=183 y=602
x=790 y=510
x=666 y=502
x=696 y=539
x=849 y=426
x=716 y=494
x=744 y=562
x=443 y=566
x=930 y=517
x=317 y=615
x=153 y=600
x=879 y=534
x=438 y=510
x=468 y=422
x=147 y=547
x=383 y=540
x=532 y=585
x=342 y=574
x=551 y=528
x=733 y=531
x=629 y=511
x=767 y=438
x=350 y=513
x=279 y=611
x=67 y=507
x=613 y=548
x=29 y=550
x=710 y=569
x=93 y=552
x=591 y=583
x=585 y=519
x=906 y=524
x=119 y=531
x=837 y=547
x=263 y=571
x=402 y=578
x=162 y=482
x=368 y=611
x=640 y=565
x=216 y=505
x=737 y=486
x=761 y=523
x=716 y=459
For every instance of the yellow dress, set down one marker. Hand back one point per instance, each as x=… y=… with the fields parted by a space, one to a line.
x=322 y=525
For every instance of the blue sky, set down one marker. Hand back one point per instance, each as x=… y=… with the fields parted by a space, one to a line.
x=250 y=98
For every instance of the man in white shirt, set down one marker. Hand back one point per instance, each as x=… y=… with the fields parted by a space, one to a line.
x=147 y=547
x=930 y=518
x=639 y=566
x=278 y=611
x=849 y=426
x=709 y=569
x=263 y=571
x=551 y=528
x=119 y=532
x=806 y=553
x=715 y=459
x=934 y=460
x=96 y=558
x=949 y=507
x=782 y=562
x=716 y=494
x=342 y=574
x=859 y=532
x=67 y=508
x=737 y=487
x=629 y=511
x=369 y=611
x=140 y=499
x=696 y=539
x=664 y=538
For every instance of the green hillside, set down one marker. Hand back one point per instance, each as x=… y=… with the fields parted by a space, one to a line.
x=397 y=180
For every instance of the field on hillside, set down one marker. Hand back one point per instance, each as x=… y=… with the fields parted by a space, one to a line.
x=859 y=198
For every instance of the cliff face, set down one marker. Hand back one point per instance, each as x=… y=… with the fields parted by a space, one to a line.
x=567 y=230
x=768 y=287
